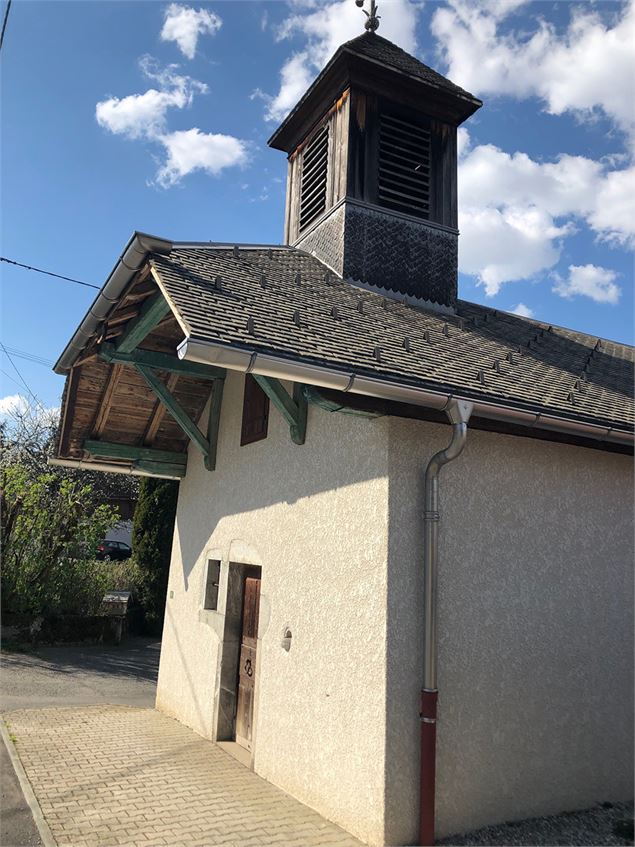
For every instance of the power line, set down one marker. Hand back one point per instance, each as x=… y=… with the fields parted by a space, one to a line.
x=30 y=357
x=48 y=273
x=22 y=379
x=4 y=22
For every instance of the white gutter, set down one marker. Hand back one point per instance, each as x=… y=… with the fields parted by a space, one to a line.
x=209 y=353
x=80 y=464
x=130 y=261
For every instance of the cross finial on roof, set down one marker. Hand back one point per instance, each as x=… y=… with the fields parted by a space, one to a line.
x=372 y=22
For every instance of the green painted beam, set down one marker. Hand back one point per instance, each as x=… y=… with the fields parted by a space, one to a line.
x=127 y=451
x=298 y=429
x=161 y=468
x=278 y=395
x=213 y=421
x=160 y=361
x=179 y=414
x=152 y=313
x=293 y=409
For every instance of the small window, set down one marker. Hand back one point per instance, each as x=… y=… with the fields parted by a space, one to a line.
x=255 y=412
x=404 y=167
x=314 y=174
x=211 y=584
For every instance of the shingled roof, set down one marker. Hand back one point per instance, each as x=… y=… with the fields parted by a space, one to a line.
x=286 y=302
x=379 y=49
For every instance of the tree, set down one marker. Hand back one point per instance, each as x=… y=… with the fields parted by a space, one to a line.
x=152 y=545
x=52 y=520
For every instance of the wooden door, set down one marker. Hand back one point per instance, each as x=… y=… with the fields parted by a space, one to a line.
x=247 y=663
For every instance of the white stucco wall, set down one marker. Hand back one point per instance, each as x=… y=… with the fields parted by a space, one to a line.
x=535 y=629
x=535 y=626
x=314 y=517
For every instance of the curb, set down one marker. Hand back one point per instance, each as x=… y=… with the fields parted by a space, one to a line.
x=43 y=828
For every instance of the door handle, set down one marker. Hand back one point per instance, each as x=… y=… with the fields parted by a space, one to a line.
x=248 y=668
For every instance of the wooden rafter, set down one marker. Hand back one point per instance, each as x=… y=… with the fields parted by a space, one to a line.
x=158 y=412
x=114 y=450
x=151 y=313
x=105 y=403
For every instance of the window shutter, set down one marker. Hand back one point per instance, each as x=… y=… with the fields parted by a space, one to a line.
x=404 y=167
x=314 y=173
x=255 y=412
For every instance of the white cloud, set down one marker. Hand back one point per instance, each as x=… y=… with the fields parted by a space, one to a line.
x=589 y=281
x=325 y=28
x=192 y=150
x=590 y=67
x=514 y=211
x=145 y=116
x=183 y=25
x=523 y=311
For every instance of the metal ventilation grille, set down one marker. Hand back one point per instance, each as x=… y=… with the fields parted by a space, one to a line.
x=313 y=184
x=404 y=167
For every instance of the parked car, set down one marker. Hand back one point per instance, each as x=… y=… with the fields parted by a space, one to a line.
x=114 y=550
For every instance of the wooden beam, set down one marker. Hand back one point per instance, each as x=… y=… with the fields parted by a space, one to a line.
x=158 y=412
x=298 y=429
x=106 y=401
x=293 y=409
x=114 y=450
x=215 y=403
x=160 y=361
x=178 y=413
x=151 y=313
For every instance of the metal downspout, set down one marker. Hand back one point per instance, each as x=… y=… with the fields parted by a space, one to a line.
x=459 y=414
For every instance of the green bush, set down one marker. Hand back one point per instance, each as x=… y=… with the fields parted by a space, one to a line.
x=152 y=545
x=51 y=527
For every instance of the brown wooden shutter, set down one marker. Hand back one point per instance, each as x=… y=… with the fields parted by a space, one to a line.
x=404 y=167
x=255 y=412
x=314 y=176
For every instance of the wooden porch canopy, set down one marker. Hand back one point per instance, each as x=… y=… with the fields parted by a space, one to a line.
x=129 y=403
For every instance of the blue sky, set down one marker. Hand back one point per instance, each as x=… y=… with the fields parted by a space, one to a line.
x=177 y=145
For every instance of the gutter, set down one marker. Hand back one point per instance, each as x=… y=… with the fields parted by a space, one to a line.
x=108 y=467
x=129 y=263
x=459 y=413
x=248 y=361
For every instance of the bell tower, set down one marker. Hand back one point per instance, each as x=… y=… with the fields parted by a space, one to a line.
x=372 y=177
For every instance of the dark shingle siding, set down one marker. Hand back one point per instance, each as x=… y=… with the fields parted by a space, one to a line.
x=545 y=375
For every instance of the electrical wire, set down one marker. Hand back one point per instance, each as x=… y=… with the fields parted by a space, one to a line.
x=22 y=379
x=48 y=273
x=30 y=357
x=4 y=23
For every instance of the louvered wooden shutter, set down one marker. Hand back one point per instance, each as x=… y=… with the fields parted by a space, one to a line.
x=255 y=412
x=314 y=174
x=404 y=167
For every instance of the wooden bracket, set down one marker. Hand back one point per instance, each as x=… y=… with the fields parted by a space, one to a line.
x=178 y=413
x=213 y=420
x=293 y=409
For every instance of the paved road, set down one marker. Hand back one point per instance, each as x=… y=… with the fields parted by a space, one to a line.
x=80 y=676
x=67 y=676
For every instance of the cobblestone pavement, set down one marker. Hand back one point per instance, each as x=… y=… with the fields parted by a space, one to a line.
x=116 y=775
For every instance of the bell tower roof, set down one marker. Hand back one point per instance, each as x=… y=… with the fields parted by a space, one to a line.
x=371 y=62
